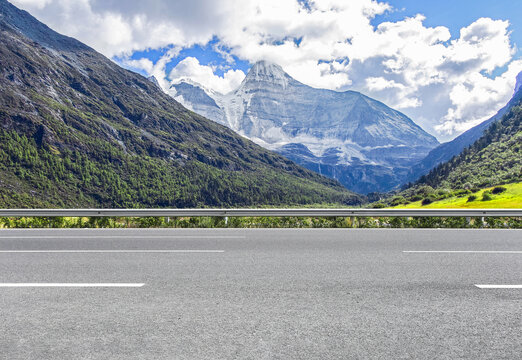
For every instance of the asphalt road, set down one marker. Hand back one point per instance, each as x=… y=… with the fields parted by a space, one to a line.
x=260 y=294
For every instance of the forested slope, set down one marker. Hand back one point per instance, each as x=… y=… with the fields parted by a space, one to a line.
x=494 y=159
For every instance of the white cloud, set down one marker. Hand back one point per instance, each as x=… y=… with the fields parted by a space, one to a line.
x=190 y=68
x=445 y=84
x=476 y=97
x=37 y=4
x=380 y=83
x=157 y=69
x=113 y=27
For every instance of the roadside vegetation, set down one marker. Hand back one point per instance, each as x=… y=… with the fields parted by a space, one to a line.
x=263 y=222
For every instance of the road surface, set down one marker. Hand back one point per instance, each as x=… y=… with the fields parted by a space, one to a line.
x=260 y=294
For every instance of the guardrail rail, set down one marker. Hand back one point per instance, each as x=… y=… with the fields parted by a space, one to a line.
x=261 y=212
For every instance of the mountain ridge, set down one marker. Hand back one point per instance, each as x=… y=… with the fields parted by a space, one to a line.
x=275 y=110
x=265 y=71
x=518 y=84
x=37 y=31
x=493 y=159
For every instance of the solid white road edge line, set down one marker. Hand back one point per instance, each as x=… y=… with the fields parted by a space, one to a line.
x=499 y=286
x=107 y=251
x=133 y=237
x=464 y=251
x=89 y=285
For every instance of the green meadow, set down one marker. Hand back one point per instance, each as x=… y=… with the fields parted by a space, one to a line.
x=510 y=198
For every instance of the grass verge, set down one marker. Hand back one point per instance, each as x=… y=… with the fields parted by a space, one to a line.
x=265 y=222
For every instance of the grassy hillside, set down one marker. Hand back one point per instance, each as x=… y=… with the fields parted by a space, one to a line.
x=494 y=159
x=76 y=130
x=446 y=151
x=509 y=199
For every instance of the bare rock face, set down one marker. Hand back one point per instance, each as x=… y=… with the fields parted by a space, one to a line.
x=357 y=140
x=155 y=81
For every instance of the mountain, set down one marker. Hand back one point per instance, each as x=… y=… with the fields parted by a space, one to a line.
x=195 y=98
x=518 y=85
x=76 y=130
x=444 y=152
x=494 y=159
x=347 y=136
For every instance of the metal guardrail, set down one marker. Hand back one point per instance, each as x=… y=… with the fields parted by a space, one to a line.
x=260 y=212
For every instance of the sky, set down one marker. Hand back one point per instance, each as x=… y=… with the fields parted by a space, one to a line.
x=447 y=64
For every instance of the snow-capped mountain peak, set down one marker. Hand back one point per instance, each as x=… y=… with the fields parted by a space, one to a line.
x=197 y=98
x=191 y=82
x=361 y=142
x=267 y=72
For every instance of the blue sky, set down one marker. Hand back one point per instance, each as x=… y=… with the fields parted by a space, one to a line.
x=455 y=14
x=448 y=70
x=206 y=55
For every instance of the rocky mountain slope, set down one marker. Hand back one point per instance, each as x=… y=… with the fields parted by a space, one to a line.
x=347 y=136
x=77 y=130
x=444 y=152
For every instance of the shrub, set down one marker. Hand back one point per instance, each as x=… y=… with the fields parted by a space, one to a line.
x=426 y=201
x=498 y=190
x=417 y=197
x=398 y=200
x=379 y=206
x=425 y=190
x=461 y=192
x=486 y=196
x=444 y=193
x=472 y=198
